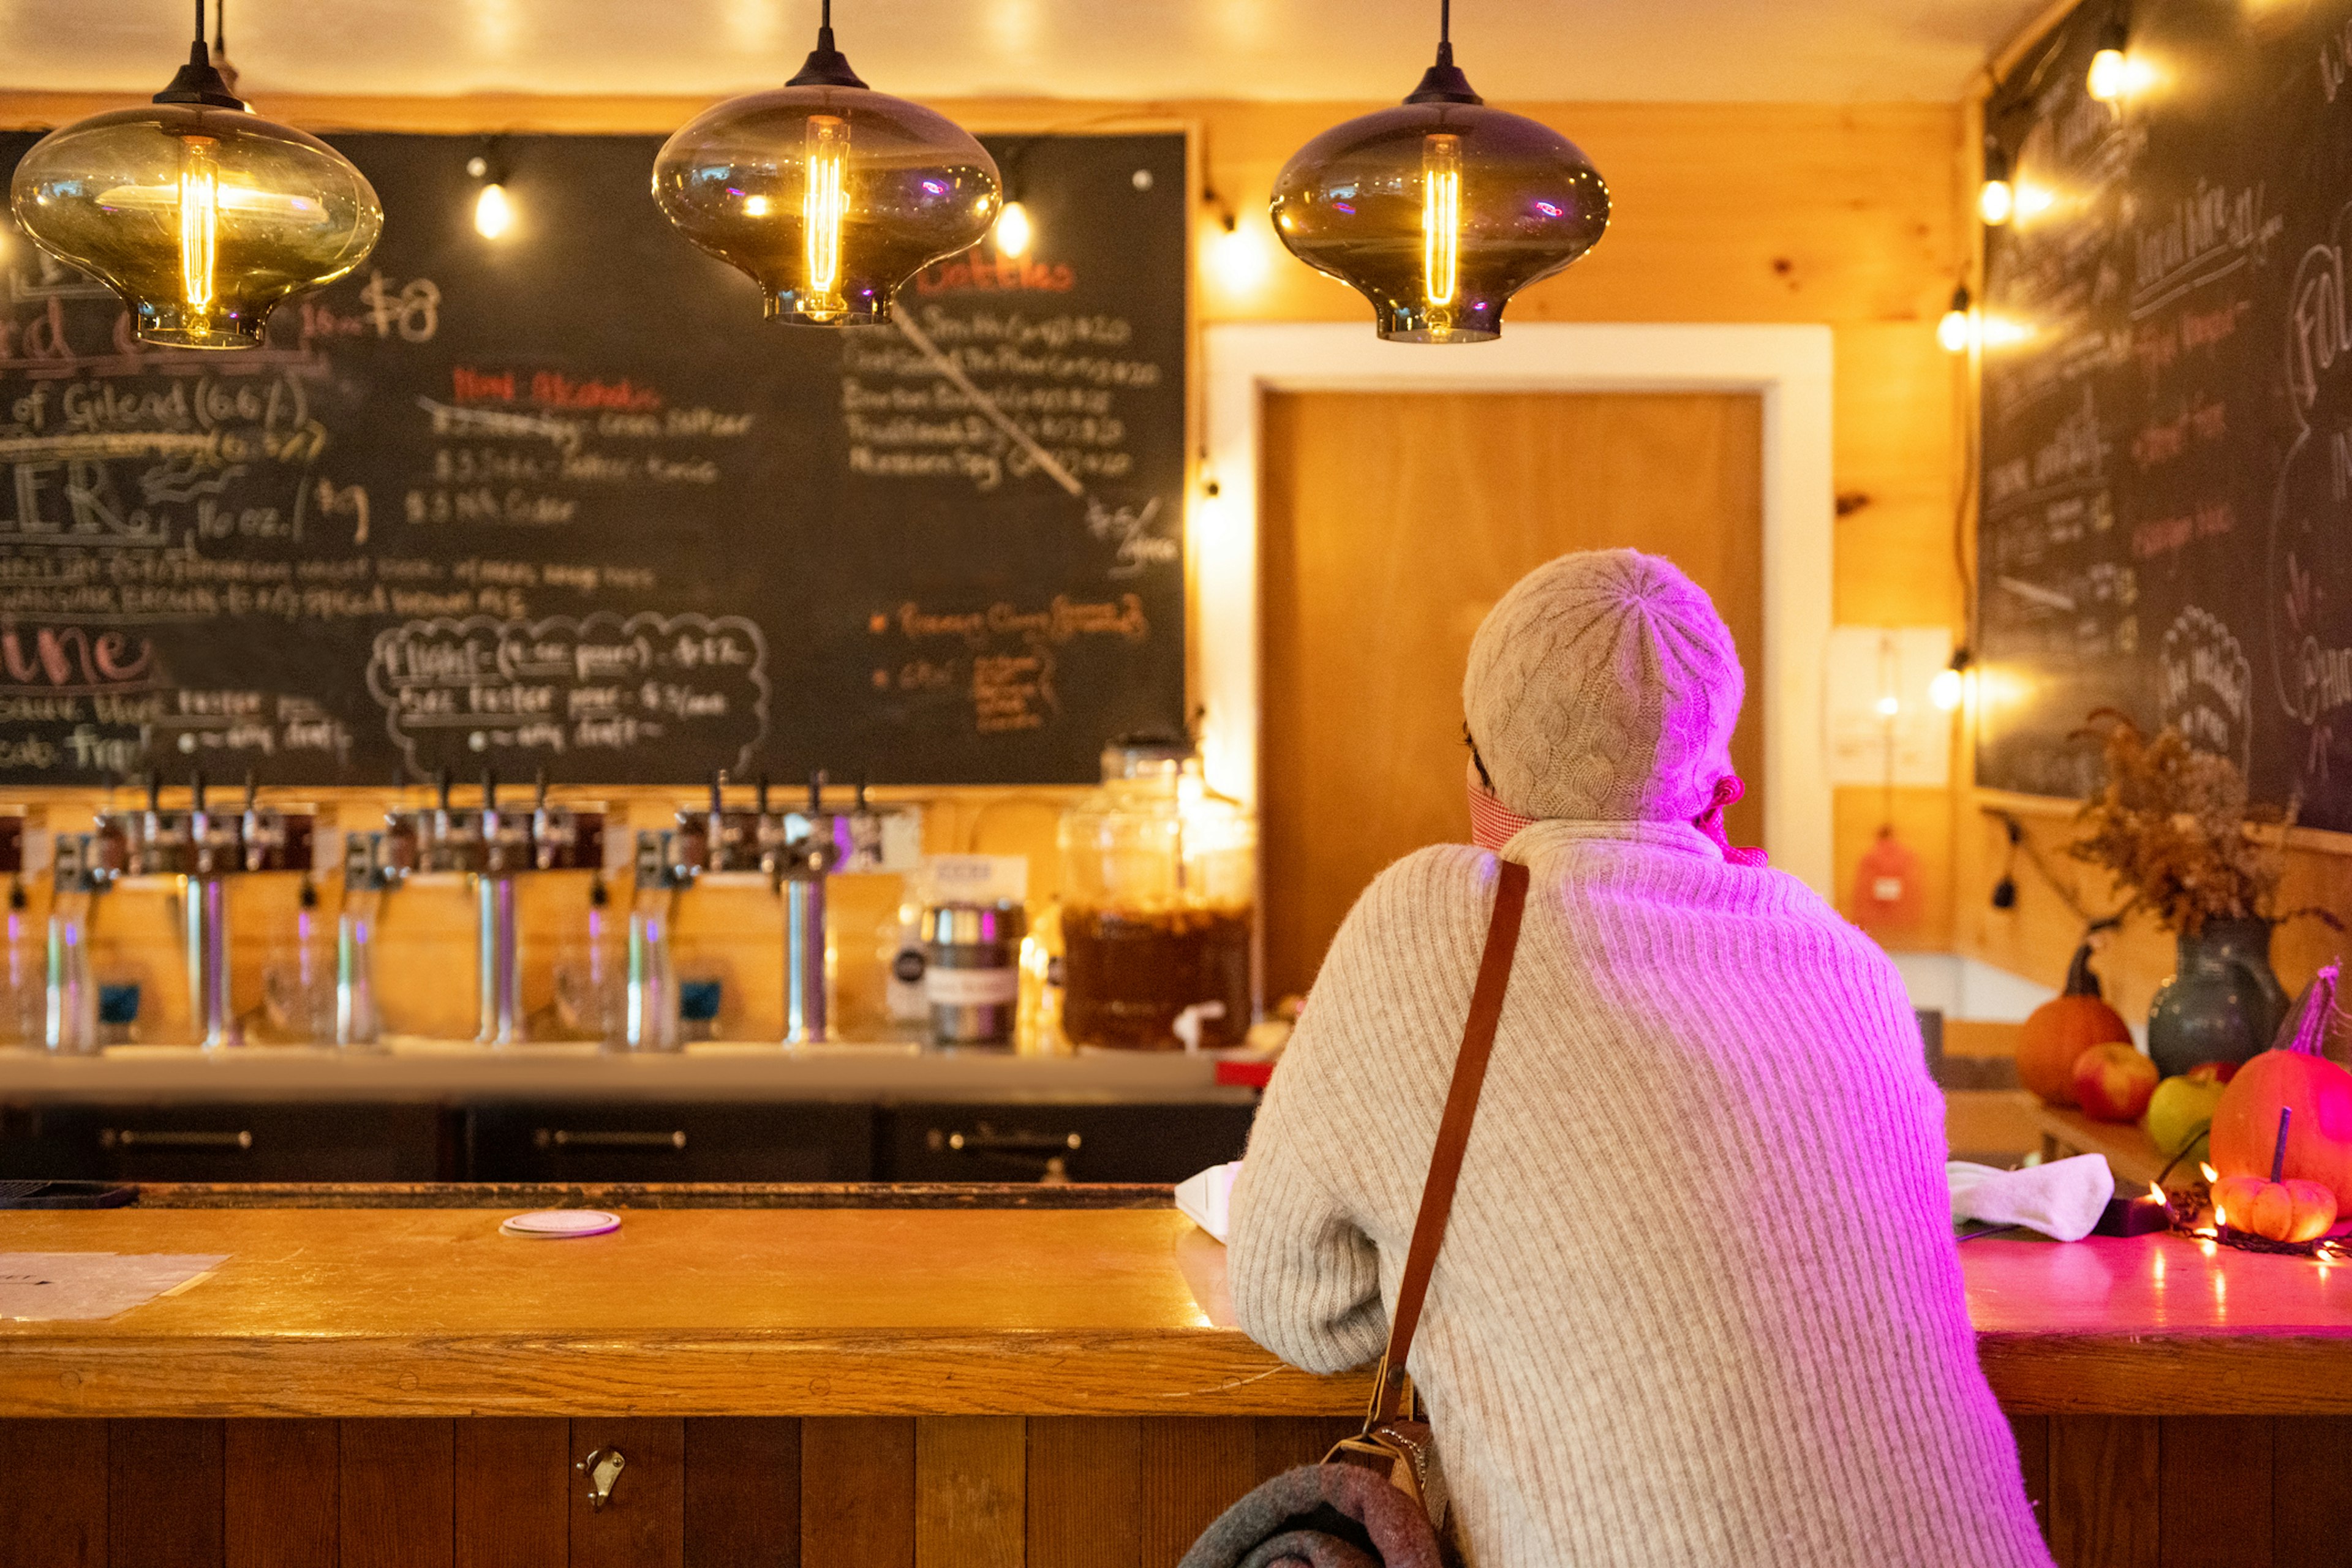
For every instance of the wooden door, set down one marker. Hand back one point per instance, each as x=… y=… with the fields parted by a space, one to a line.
x=1390 y=524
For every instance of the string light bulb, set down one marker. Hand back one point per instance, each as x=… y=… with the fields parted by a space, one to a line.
x=1013 y=231
x=200 y=214
x=1236 y=256
x=828 y=194
x=493 y=208
x=1997 y=199
x=1441 y=210
x=1949 y=686
x=493 y=214
x=1957 y=331
x=2110 y=74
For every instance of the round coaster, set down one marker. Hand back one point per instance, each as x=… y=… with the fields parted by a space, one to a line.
x=555 y=1225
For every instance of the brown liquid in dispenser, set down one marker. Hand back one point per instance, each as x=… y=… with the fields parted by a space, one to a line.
x=1127 y=975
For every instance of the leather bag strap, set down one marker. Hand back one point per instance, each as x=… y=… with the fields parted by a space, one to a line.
x=1452 y=1135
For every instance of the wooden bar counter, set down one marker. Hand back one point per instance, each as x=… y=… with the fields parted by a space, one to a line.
x=891 y=1383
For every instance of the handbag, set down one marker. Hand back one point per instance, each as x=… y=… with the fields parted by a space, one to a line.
x=1377 y=1501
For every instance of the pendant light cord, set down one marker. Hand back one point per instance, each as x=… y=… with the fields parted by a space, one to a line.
x=1445 y=22
x=220 y=26
x=200 y=21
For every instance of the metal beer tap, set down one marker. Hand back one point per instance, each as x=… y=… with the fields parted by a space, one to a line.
x=804 y=849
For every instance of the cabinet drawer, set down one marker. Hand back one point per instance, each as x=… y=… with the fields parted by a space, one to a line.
x=1020 y=1142
x=279 y=1142
x=572 y=1141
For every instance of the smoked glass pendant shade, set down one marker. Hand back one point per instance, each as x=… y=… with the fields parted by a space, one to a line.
x=1439 y=210
x=202 y=214
x=827 y=194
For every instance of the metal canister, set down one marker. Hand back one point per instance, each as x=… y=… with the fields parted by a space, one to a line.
x=971 y=971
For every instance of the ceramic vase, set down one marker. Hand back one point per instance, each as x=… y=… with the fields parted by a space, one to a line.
x=2223 y=1002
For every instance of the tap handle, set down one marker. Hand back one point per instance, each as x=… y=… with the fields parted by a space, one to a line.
x=861 y=794
x=441 y=783
x=489 y=792
x=538 y=791
x=196 y=791
x=154 y=789
x=252 y=787
x=718 y=792
x=764 y=794
x=816 y=792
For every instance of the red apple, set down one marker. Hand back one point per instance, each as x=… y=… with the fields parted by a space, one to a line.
x=2113 y=1082
x=2211 y=1072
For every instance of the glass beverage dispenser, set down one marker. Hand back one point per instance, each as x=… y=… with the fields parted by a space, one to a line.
x=1159 y=901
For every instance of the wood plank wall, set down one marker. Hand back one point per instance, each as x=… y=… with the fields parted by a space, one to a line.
x=956 y=1491
x=2037 y=935
x=1843 y=214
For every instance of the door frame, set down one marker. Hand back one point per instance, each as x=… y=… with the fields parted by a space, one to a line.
x=1788 y=366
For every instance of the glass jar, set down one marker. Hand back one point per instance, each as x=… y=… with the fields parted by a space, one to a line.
x=1159 y=897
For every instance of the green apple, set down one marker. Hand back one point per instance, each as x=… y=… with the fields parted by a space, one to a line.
x=2182 y=1109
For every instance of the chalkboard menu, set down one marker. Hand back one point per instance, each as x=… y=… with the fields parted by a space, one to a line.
x=562 y=501
x=2167 y=402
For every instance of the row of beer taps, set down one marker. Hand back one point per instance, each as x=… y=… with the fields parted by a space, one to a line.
x=795 y=849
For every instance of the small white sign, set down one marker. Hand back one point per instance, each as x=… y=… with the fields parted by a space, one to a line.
x=1883 y=724
x=975 y=879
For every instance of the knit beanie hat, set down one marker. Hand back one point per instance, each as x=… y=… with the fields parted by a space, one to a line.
x=1604 y=688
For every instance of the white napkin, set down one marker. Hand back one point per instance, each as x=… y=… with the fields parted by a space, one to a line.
x=1207 y=1198
x=2062 y=1199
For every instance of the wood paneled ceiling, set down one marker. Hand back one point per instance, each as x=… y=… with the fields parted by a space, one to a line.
x=1555 y=51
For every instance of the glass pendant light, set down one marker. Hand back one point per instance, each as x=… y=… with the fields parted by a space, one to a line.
x=201 y=214
x=1439 y=210
x=827 y=194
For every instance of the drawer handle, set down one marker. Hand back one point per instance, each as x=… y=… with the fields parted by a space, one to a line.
x=558 y=1138
x=987 y=1142
x=129 y=1137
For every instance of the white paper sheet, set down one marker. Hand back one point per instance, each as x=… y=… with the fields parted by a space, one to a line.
x=83 y=1286
x=1207 y=1198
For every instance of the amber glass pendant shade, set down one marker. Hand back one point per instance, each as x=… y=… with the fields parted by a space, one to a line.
x=1439 y=210
x=827 y=194
x=202 y=214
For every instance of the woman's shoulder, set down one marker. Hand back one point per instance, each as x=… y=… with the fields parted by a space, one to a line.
x=1421 y=901
x=1436 y=878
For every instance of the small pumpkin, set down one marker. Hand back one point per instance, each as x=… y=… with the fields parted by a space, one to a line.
x=2062 y=1029
x=2282 y=1211
x=2291 y=1077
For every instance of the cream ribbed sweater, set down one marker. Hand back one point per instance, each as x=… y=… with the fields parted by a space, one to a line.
x=1698 y=1302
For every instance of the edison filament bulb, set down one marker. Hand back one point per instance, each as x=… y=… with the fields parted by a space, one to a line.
x=823 y=208
x=1441 y=225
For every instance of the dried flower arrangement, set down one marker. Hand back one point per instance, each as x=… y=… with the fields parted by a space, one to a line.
x=2170 y=826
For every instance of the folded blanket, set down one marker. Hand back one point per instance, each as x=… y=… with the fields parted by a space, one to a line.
x=1319 y=1516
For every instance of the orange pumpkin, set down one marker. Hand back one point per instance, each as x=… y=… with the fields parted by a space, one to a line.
x=2282 y=1211
x=2061 y=1029
x=2292 y=1076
